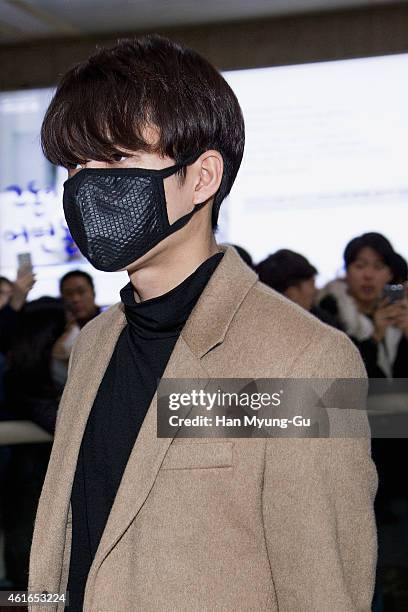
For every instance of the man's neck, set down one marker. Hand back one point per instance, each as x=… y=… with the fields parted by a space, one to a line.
x=169 y=269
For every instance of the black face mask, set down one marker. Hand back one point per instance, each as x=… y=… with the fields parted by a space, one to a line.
x=115 y=216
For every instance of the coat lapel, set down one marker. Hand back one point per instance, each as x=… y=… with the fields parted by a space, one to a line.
x=144 y=462
x=209 y=322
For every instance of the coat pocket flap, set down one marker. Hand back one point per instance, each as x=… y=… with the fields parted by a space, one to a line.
x=198 y=455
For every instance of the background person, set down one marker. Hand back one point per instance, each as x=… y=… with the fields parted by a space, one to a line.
x=380 y=331
x=13 y=305
x=30 y=390
x=293 y=275
x=78 y=293
x=6 y=290
x=30 y=394
x=378 y=328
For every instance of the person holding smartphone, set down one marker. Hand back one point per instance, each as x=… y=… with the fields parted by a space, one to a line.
x=16 y=301
x=371 y=304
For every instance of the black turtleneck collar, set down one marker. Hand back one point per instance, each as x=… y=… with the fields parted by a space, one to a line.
x=164 y=316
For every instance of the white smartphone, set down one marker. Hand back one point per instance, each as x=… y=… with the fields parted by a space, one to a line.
x=24 y=261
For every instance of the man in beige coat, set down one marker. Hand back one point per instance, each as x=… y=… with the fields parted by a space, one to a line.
x=248 y=525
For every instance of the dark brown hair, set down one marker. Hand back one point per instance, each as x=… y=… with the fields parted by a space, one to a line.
x=103 y=104
x=285 y=269
x=377 y=242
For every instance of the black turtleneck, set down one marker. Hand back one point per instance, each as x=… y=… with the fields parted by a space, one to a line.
x=124 y=395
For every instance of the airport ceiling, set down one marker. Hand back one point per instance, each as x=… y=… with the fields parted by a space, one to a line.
x=22 y=20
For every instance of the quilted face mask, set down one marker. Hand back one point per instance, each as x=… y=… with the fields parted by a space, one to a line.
x=115 y=216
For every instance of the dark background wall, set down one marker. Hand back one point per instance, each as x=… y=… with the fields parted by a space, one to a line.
x=311 y=37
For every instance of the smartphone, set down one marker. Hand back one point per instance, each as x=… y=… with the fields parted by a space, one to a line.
x=394 y=293
x=24 y=261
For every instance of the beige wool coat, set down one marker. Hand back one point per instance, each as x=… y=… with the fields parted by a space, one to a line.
x=238 y=525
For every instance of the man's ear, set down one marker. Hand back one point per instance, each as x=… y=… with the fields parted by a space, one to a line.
x=209 y=167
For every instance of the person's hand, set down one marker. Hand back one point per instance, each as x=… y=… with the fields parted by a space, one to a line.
x=21 y=287
x=384 y=316
x=63 y=346
x=69 y=316
x=401 y=319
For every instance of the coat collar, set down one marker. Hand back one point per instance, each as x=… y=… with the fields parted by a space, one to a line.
x=222 y=296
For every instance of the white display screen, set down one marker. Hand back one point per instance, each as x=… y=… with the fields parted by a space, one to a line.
x=325 y=160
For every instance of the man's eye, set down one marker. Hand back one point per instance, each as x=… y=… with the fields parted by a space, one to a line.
x=118 y=157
